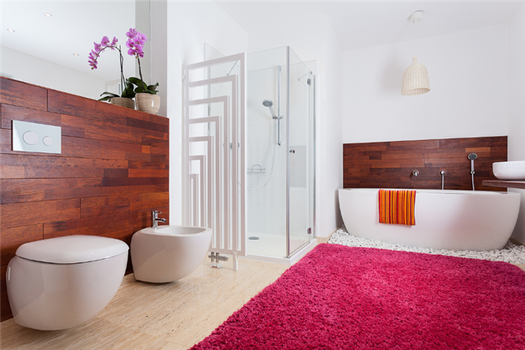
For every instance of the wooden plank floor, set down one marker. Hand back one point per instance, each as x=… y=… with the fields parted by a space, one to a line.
x=157 y=316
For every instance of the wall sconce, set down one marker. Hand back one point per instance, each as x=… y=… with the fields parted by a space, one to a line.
x=415 y=78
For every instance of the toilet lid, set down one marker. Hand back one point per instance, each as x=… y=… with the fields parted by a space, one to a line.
x=72 y=249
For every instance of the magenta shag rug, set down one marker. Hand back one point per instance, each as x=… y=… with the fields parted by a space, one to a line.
x=340 y=297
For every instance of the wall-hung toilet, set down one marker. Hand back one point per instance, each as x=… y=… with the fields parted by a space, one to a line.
x=60 y=283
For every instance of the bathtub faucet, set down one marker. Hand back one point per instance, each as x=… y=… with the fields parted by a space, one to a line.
x=155 y=219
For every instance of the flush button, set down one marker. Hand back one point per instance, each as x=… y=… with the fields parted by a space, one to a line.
x=48 y=141
x=31 y=137
x=36 y=137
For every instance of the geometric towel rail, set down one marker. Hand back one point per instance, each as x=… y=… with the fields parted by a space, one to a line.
x=214 y=151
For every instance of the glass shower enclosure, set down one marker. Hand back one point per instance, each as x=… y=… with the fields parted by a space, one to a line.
x=280 y=148
x=280 y=152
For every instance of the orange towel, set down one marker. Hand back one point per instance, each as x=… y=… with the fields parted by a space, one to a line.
x=397 y=207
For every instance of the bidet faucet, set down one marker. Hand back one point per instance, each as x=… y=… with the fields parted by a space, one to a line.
x=155 y=219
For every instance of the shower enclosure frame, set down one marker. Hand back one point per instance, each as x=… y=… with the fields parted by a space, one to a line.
x=298 y=171
x=311 y=201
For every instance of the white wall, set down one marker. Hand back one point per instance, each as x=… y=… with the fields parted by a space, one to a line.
x=189 y=26
x=329 y=138
x=33 y=70
x=516 y=91
x=314 y=40
x=468 y=81
x=156 y=64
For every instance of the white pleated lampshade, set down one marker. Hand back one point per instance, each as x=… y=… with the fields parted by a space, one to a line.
x=415 y=79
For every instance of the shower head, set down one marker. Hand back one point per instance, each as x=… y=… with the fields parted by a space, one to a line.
x=472 y=156
x=267 y=103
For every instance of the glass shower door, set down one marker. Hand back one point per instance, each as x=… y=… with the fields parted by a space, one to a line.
x=300 y=154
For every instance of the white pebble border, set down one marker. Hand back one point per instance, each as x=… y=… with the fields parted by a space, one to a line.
x=511 y=253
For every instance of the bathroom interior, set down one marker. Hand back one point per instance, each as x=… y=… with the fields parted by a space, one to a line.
x=324 y=111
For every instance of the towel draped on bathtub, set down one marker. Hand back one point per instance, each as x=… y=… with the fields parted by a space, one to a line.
x=397 y=207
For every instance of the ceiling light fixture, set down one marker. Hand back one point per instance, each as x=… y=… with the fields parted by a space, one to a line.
x=75 y=54
x=47 y=14
x=10 y=30
x=415 y=78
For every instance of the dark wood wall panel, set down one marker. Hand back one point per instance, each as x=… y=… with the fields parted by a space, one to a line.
x=112 y=172
x=390 y=164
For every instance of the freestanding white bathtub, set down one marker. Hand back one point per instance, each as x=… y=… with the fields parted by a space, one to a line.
x=457 y=220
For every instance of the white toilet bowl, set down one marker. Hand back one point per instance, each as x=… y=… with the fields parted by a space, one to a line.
x=169 y=252
x=60 y=283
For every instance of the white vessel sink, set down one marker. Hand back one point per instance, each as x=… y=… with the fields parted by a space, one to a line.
x=514 y=170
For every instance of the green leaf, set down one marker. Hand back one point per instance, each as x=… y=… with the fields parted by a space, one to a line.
x=106 y=98
x=138 y=82
x=128 y=91
x=135 y=81
x=111 y=94
x=142 y=87
x=153 y=87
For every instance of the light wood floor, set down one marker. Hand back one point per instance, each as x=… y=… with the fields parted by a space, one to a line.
x=170 y=316
x=157 y=316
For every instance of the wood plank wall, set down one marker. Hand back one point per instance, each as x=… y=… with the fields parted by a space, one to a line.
x=113 y=171
x=390 y=164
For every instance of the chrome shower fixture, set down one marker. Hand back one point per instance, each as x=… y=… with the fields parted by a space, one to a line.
x=472 y=157
x=269 y=104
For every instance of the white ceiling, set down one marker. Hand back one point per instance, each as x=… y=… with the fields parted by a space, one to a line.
x=76 y=24
x=361 y=24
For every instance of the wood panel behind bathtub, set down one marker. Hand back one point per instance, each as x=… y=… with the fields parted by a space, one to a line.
x=113 y=170
x=390 y=164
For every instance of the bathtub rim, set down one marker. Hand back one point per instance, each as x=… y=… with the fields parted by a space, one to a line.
x=432 y=191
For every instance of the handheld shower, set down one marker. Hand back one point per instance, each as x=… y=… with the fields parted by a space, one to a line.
x=472 y=157
x=269 y=104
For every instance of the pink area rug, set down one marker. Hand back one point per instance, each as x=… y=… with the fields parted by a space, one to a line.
x=340 y=297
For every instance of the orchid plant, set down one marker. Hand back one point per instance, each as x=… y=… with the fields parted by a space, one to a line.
x=135 y=45
x=127 y=85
